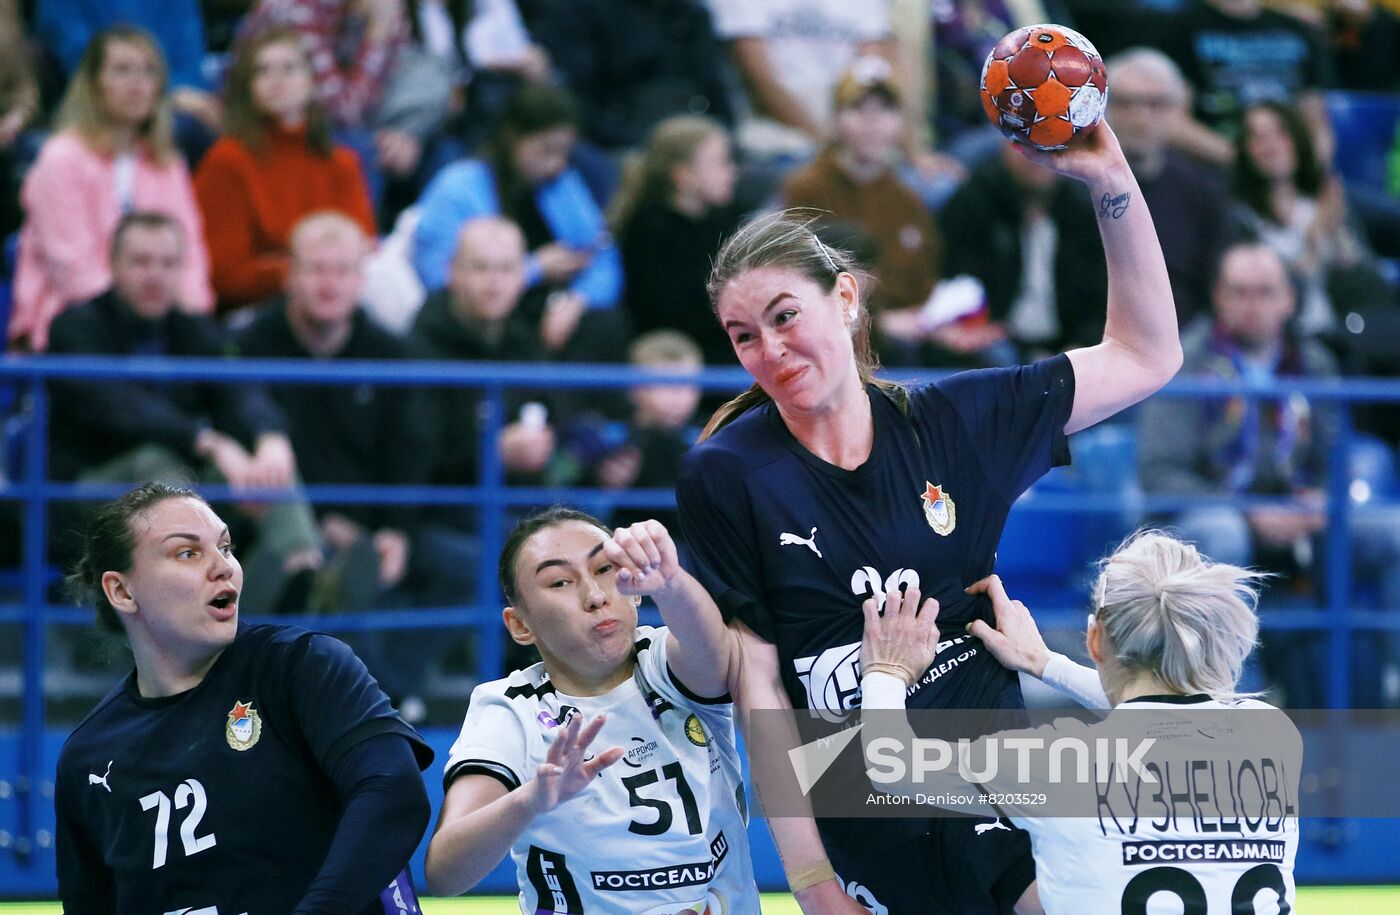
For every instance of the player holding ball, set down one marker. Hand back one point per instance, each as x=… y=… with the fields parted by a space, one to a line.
x=821 y=487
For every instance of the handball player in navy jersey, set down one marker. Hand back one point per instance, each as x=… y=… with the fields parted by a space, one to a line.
x=238 y=770
x=821 y=487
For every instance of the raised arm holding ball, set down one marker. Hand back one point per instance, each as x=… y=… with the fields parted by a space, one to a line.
x=821 y=487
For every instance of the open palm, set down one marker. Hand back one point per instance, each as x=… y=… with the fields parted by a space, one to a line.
x=565 y=771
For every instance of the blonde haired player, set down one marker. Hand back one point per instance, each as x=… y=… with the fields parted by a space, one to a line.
x=654 y=823
x=1170 y=632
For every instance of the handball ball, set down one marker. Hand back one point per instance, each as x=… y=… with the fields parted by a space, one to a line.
x=1044 y=85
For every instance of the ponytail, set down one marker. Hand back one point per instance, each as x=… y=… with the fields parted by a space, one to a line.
x=1168 y=611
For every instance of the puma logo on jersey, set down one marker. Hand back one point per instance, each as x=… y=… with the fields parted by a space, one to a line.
x=102 y=779
x=988 y=827
x=810 y=541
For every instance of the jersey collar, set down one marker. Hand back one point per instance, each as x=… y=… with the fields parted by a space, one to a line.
x=1194 y=699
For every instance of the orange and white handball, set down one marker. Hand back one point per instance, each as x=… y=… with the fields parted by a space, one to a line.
x=1044 y=85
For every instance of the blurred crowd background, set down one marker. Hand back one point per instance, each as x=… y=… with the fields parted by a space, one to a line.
x=547 y=180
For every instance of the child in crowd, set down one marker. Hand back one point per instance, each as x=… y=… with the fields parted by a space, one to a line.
x=645 y=450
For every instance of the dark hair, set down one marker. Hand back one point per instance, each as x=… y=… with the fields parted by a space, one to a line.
x=144 y=219
x=788 y=239
x=242 y=119
x=529 y=527
x=1251 y=185
x=458 y=11
x=533 y=109
x=1245 y=243
x=108 y=544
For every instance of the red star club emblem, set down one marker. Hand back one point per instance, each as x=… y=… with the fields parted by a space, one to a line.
x=939 y=510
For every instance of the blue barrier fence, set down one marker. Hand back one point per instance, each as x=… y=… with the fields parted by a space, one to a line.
x=28 y=839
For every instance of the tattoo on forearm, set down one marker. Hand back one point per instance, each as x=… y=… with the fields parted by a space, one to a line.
x=1114 y=206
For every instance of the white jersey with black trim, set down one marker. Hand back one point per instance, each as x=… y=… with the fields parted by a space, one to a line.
x=1235 y=854
x=660 y=832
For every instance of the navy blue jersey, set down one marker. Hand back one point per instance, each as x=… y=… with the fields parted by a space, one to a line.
x=793 y=546
x=217 y=800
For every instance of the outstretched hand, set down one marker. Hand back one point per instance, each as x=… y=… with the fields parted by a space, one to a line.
x=565 y=772
x=1016 y=641
x=904 y=639
x=646 y=559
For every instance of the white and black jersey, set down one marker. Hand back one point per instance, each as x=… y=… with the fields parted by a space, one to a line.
x=1233 y=849
x=660 y=832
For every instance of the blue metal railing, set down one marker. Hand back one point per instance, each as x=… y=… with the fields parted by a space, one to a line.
x=492 y=499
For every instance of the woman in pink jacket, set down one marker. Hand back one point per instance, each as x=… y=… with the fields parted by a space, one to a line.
x=112 y=153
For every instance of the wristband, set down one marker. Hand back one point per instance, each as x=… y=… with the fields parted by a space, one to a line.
x=898 y=671
x=879 y=690
x=810 y=876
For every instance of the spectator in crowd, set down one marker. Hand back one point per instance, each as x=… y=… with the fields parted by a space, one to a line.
x=1148 y=97
x=424 y=91
x=854 y=180
x=790 y=55
x=360 y=435
x=1364 y=44
x=477 y=319
x=646 y=450
x=112 y=153
x=463 y=60
x=675 y=206
x=1236 y=446
x=354 y=47
x=1237 y=53
x=632 y=63
x=350 y=434
x=494 y=39
x=485 y=53
x=1031 y=239
x=19 y=102
x=124 y=431
x=1287 y=200
x=525 y=176
x=67 y=26
x=275 y=164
